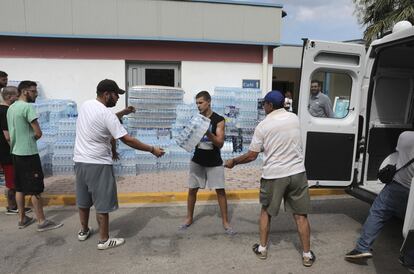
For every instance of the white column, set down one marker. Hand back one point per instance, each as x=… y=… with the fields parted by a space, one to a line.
x=265 y=68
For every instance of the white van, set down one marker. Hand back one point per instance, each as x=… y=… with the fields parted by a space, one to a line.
x=372 y=94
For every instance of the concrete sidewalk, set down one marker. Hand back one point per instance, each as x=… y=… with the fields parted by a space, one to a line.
x=239 y=178
x=163 y=187
x=154 y=245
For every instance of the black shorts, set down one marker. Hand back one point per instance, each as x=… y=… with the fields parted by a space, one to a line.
x=28 y=174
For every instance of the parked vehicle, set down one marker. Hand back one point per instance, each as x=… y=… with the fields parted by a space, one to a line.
x=372 y=93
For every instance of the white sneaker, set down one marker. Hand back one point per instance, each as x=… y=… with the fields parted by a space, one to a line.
x=111 y=242
x=82 y=235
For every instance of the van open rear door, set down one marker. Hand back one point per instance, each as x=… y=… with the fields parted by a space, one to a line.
x=330 y=139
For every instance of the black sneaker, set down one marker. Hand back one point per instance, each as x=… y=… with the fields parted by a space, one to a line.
x=355 y=254
x=48 y=225
x=14 y=211
x=26 y=222
x=261 y=255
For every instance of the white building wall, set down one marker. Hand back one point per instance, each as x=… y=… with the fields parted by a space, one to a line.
x=77 y=79
x=67 y=79
x=197 y=76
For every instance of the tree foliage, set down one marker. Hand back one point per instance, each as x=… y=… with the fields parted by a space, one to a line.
x=379 y=16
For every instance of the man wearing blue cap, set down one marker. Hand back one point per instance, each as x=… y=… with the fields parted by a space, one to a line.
x=283 y=175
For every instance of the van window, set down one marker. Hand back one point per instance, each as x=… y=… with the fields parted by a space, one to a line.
x=330 y=94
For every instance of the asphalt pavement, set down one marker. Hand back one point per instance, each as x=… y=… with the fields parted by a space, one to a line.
x=154 y=244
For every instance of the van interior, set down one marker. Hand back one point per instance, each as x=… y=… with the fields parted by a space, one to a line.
x=390 y=105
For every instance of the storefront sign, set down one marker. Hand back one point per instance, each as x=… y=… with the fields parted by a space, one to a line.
x=251 y=83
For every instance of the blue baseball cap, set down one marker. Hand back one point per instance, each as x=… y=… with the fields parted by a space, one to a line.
x=276 y=98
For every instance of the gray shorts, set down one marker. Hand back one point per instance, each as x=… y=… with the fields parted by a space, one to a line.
x=95 y=185
x=292 y=189
x=201 y=175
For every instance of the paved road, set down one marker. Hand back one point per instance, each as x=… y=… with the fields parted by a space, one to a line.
x=153 y=244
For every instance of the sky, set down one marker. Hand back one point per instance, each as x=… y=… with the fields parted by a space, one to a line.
x=331 y=20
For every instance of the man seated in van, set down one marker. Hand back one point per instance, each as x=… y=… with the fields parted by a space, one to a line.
x=391 y=201
x=319 y=104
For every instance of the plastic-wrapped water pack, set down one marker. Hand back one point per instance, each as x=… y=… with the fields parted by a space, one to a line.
x=191 y=135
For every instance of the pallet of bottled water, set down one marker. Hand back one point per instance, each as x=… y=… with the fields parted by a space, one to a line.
x=157 y=92
x=126 y=165
x=63 y=170
x=155 y=106
x=245 y=100
x=57 y=119
x=146 y=162
x=191 y=135
x=150 y=122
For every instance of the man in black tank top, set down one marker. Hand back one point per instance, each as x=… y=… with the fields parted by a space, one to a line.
x=206 y=166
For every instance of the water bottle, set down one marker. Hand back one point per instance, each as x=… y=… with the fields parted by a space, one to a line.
x=71 y=110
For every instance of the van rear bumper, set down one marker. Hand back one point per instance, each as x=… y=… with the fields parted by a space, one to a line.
x=361 y=194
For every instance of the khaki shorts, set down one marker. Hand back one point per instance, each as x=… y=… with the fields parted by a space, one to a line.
x=292 y=189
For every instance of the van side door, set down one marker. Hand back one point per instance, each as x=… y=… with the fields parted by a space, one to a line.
x=329 y=103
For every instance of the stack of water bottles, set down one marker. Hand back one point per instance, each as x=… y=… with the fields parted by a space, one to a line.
x=133 y=161
x=126 y=165
x=64 y=146
x=155 y=106
x=244 y=100
x=146 y=162
x=227 y=152
x=179 y=158
x=161 y=120
x=57 y=119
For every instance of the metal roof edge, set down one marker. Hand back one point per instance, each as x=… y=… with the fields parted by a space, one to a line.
x=136 y=38
x=235 y=2
x=290 y=45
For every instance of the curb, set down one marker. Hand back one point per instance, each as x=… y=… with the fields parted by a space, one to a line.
x=170 y=197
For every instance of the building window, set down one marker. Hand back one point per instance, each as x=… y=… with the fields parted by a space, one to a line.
x=160 y=74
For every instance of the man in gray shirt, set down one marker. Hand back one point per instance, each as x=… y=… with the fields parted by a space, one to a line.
x=319 y=104
x=391 y=201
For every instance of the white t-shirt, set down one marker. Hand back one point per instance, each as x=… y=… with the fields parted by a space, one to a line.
x=95 y=127
x=278 y=136
x=405 y=150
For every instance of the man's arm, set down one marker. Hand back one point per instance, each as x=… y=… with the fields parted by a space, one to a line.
x=6 y=136
x=218 y=138
x=36 y=129
x=248 y=157
x=328 y=108
x=125 y=111
x=135 y=143
x=115 y=154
